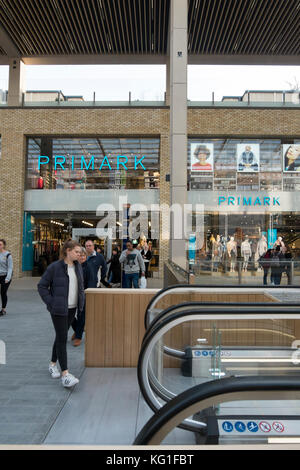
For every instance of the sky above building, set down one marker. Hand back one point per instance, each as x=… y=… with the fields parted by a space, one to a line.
x=147 y=82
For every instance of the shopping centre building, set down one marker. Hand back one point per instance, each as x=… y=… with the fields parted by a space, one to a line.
x=238 y=160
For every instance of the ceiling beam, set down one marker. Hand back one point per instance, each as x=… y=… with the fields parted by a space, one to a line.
x=91 y=59
x=214 y=59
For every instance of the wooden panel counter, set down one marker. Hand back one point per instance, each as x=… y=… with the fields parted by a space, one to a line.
x=115 y=326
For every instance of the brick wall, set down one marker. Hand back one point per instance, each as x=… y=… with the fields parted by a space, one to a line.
x=16 y=124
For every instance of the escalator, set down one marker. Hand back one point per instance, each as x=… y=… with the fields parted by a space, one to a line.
x=222 y=430
x=194 y=344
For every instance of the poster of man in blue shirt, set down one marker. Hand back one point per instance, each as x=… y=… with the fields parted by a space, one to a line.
x=248 y=158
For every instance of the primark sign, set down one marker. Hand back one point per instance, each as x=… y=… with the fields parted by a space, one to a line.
x=247 y=202
x=265 y=201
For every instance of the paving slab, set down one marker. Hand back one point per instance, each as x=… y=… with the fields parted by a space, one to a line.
x=30 y=400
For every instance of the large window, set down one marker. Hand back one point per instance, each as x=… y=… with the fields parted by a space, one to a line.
x=92 y=163
x=243 y=164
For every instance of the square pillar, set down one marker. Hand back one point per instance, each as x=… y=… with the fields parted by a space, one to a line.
x=16 y=85
x=178 y=121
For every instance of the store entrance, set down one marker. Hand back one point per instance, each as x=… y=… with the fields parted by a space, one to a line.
x=44 y=234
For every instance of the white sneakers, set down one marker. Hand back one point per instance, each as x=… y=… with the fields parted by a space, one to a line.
x=54 y=372
x=68 y=381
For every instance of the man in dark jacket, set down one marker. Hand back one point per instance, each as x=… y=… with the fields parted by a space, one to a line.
x=96 y=261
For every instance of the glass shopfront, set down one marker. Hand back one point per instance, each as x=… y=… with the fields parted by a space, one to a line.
x=92 y=163
x=233 y=246
x=248 y=189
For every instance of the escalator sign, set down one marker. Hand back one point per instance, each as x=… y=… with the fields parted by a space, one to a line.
x=278 y=427
x=264 y=426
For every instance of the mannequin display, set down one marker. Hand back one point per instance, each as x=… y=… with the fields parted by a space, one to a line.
x=216 y=252
x=279 y=242
x=246 y=253
x=262 y=246
x=232 y=253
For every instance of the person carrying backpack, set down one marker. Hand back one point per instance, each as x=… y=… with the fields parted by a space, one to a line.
x=265 y=263
x=6 y=271
x=277 y=261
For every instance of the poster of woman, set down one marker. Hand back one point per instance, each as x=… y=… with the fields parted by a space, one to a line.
x=248 y=158
x=291 y=157
x=202 y=157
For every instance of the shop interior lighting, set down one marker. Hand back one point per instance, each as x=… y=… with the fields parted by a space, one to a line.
x=57 y=223
x=87 y=223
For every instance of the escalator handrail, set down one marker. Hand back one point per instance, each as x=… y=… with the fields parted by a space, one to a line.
x=219 y=390
x=166 y=290
x=154 y=331
x=196 y=304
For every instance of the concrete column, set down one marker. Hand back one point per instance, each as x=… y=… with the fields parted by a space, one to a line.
x=178 y=122
x=16 y=86
x=168 y=82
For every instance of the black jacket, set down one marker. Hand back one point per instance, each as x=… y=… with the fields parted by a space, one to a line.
x=95 y=262
x=147 y=256
x=115 y=269
x=54 y=287
x=88 y=275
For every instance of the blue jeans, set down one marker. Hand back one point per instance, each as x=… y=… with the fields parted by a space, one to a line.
x=132 y=278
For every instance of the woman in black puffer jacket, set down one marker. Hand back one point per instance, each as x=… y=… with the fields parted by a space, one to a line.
x=62 y=290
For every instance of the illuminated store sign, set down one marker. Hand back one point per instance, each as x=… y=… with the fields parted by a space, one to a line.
x=60 y=162
x=248 y=201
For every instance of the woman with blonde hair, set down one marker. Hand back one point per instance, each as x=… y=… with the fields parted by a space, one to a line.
x=62 y=290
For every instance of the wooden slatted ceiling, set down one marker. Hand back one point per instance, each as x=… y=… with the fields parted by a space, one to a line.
x=246 y=27
x=220 y=27
x=47 y=27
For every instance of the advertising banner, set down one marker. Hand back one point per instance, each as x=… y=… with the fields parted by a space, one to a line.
x=248 y=157
x=291 y=157
x=202 y=157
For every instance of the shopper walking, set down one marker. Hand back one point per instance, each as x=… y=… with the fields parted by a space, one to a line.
x=62 y=290
x=265 y=262
x=133 y=265
x=6 y=271
x=97 y=264
x=147 y=257
x=79 y=322
x=114 y=273
x=277 y=266
x=288 y=257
